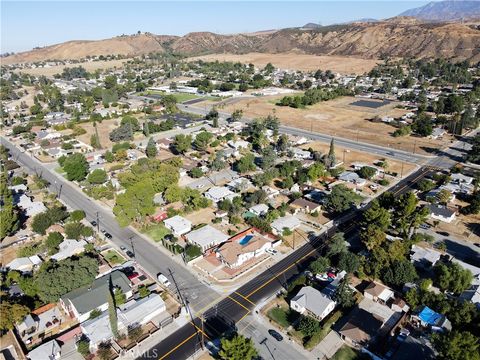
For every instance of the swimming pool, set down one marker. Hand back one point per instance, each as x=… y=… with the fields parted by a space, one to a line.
x=245 y=240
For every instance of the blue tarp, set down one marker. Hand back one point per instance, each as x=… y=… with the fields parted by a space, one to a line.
x=429 y=316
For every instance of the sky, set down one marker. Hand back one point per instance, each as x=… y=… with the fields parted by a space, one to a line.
x=27 y=24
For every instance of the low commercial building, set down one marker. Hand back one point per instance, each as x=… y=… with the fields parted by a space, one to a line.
x=178 y=225
x=206 y=237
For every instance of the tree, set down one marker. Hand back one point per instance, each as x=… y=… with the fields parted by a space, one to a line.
x=308 y=326
x=52 y=242
x=237 y=348
x=319 y=265
x=202 y=140
x=41 y=222
x=135 y=203
x=237 y=114
x=146 y=129
x=330 y=159
x=83 y=347
x=182 y=143
x=457 y=345
x=316 y=171
x=76 y=167
x=453 y=277
x=55 y=279
x=119 y=296
x=109 y=157
x=151 y=149
x=112 y=310
x=344 y=295
x=337 y=244
x=341 y=199
x=408 y=216
x=367 y=172
x=426 y=185
x=444 y=196
x=196 y=173
x=283 y=143
x=77 y=215
x=97 y=176
x=400 y=272
x=423 y=125
x=75 y=230
x=212 y=116
x=268 y=158
x=246 y=163
x=348 y=261
x=11 y=314
x=218 y=163
x=8 y=216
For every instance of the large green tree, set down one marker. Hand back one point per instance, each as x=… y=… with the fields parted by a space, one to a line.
x=182 y=143
x=135 y=203
x=8 y=215
x=341 y=199
x=237 y=348
x=76 y=167
x=457 y=345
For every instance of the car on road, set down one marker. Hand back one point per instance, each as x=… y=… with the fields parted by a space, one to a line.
x=443 y=233
x=275 y=334
x=130 y=254
x=93 y=222
x=163 y=280
x=391 y=153
x=123 y=248
x=271 y=251
x=108 y=235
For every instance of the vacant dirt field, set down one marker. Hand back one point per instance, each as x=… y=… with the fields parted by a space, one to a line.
x=89 y=66
x=339 y=118
x=340 y=64
x=352 y=156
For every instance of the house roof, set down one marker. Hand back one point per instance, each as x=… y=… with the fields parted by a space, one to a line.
x=219 y=192
x=134 y=311
x=69 y=247
x=420 y=253
x=304 y=203
x=361 y=326
x=232 y=249
x=91 y=297
x=290 y=222
x=98 y=329
x=19 y=263
x=375 y=289
x=440 y=211
x=429 y=316
x=46 y=351
x=178 y=223
x=312 y=300
x=259 y=208
x=206 y=235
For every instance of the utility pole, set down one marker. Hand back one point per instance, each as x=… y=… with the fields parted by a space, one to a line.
x=401 y=172
x=414 y=145
x=131 y=243
x=98 y=222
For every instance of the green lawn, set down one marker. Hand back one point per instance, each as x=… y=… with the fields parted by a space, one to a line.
x=181 y=97
x=156 y=232
x=113 y=257
x=280 y=316
x=347 y=353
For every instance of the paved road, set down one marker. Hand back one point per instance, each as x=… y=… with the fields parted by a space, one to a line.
x=235 y=307
x=147 y=255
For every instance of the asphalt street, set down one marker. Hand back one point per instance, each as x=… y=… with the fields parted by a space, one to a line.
x=146 y=254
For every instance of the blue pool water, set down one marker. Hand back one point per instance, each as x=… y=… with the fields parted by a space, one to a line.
x=245 y=240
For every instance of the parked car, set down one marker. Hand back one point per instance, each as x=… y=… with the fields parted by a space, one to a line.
x=130 y=254
x=132 y=275
x=108 y=235
x=123 y=248
x=275 y=334
x=163 y=280
x=424 y=226
x=271 y=251
x=93 y=222
x=443 y=233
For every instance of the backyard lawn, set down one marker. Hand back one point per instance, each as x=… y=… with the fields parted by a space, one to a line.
x=156 y=232
x=113 y=257
x=347 y=353
x=181 y=97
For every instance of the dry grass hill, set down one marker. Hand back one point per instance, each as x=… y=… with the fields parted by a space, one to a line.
x=396 y=37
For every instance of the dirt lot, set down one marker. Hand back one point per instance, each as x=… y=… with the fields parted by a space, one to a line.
x=341 y=64
x=352 y=156
x=104 y=128
x=339 y=118
x=89 y=66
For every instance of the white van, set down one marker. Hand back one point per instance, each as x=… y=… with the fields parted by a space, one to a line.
x=163 y=280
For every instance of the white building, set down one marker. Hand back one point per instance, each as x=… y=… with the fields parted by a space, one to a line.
x=287 y=222
x=259 y=210
x=178 y=225
x=47 y=351
x=441 y=213
x=24 y=264
x=310 y=301
x=206 y=237
x=219 y=193
x=68 y=248
x=424 y=257
x=377 y=292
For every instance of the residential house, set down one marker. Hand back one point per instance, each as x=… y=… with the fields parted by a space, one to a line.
x=461 y=179
x=377 y=292
x=424 y=257
x=287 y=222
x=219 y=193
x=435 y=194
x=40 y=324
x=361 y=327
x=242 y=247
x=259 y=209
x=431 y=319
x=441 y=213
x=47 y=351
x=129 y=315
x=68 y=248
x=239 y=144
x=80 y=302
x=352 y=177
x=206 y=237
x=24 y=264
x=301 y=154
x=473 y=295
x=305 y=206
x=437 y=132
x=30 y=207
x=178 y=225
x=310 y=301
x=240 y=184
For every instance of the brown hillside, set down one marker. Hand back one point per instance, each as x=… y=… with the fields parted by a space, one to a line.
x=397 y=37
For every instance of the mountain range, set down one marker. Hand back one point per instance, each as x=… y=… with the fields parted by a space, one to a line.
x=400 y=36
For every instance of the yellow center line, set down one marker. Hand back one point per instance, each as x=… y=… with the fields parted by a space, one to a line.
x=176 y=347
x=200 y=330
x=248 y=312
x=238 y=303
x=208 y=306
x=243 y=297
